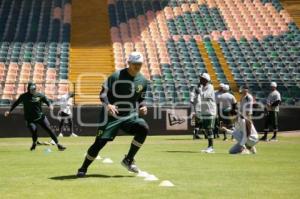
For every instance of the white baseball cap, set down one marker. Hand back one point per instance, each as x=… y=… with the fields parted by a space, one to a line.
x=226 y=87
x=273 y=84
x=205 y=76
x=221 y=85
x=136 y=58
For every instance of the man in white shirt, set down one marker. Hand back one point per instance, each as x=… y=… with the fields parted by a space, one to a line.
x=205 y=109
x=227 y=104
x=65 y=113
x=246 y=103
x=271 y=112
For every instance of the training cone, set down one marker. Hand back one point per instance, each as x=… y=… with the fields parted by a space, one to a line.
x=143 y=174
x=107 y=161
x=151 y=178
x=48 y=150
x=166 y=183
x=98 y=157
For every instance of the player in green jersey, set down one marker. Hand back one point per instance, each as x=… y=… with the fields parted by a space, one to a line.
x=123 y=102
x=32 y=104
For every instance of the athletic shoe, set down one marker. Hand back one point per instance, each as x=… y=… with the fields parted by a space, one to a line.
x=225 y=139
x=52 y=142
x=32 y=148
x=129 y=164
x=273 y=139
x=60 y=135
x=74 y=135
x=61 y=147
x=253 y=150
x=196 y=137
x=208 y=150
x=81 y=173
x=245 y=152
x=38 y=143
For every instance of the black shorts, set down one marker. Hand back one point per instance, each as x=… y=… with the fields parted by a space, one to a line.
x=271 y=119
x=64 y=115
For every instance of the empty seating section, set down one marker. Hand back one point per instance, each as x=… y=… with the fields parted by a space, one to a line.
x=34 y=46
x=258 y=62
x=256 y=40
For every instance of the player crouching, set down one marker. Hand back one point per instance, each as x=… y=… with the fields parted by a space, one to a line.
x=245 y=134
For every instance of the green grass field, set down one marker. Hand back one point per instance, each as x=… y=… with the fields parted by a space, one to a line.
x=273 y=173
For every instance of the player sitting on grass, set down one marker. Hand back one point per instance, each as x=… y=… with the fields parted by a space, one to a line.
x=123 y=102
x=245 y=134
x=32 y=105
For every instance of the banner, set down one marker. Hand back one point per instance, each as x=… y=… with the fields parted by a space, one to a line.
x=176 y=119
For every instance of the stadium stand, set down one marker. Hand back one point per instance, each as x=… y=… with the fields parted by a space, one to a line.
x=91 y=58
x=34 y=46
x=249 y=42
x=237 y=42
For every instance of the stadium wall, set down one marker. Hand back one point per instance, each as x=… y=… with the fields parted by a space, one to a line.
x=162 y=121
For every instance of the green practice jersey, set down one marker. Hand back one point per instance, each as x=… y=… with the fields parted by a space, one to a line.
x=124 y=91
x=32 y=105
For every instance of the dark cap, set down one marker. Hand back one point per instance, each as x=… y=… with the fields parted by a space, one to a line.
x=31 y=86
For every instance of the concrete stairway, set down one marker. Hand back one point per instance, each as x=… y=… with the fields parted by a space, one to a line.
x=228 y=74
x=91 y=58
x=208 y=64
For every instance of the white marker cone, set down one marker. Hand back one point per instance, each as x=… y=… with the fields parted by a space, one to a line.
x=47 y=151
x=166 y=183
x=107 y=161
x=143 y=174
x=151 y=178
x=98 y=157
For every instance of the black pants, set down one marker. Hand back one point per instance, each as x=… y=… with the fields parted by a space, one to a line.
x=44 y=123
x=271 y=119
x=65 y=118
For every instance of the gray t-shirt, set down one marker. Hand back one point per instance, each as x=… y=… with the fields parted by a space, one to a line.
x=273 y=97
x=225 y=100
x=246 y=104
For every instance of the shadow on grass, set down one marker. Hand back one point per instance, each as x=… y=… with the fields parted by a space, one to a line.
x=72 y=177
x=182 y=151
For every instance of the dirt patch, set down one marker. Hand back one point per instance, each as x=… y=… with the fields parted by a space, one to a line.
x=290 y=134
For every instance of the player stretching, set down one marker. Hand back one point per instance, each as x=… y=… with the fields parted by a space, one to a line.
x=122 y=97
x=205 y=108
x=246 y=103
x=32 y=105
x=245 y=134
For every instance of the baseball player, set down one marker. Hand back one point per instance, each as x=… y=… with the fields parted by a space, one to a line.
x=245 y=134
x=246 y=103
x=271 y=112
x=227 y=104
x=205 y=109
x=65 y=113
x=123 y=97
x=32 y=105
